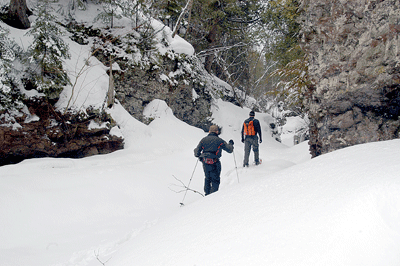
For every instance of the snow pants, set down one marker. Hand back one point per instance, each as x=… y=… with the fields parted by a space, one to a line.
x=212 y=180
x=249 y=142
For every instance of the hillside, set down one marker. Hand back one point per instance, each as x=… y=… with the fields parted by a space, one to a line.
x=75 y=123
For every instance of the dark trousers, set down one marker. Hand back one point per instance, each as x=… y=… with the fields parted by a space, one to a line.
x=212 y=180
x=249 y=142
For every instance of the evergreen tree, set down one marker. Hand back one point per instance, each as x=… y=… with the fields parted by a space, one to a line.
x=78 y=4
x=282 y=18
x=134 y=10
x=290 y=76
x=10 y=95
x=47 y=52
x=168 y=11
x=111 y=10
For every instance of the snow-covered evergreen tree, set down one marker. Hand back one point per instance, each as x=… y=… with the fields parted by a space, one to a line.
x=78 y=4
x=9 y=94
x=111 y=10
x=47 y=52
x=135 y=10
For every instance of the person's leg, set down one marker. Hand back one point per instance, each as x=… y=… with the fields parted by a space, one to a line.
x=215 y=176
x=247 y=148
x=207 y=180
x=256 y=150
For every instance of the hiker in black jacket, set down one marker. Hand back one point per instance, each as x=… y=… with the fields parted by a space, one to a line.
x=251 y=127
x=209 y=151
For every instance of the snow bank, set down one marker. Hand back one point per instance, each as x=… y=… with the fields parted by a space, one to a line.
x=67 y=212
x=338 y=209
x=176 y=44
x=341 y=208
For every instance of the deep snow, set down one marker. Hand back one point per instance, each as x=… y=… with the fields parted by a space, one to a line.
x=342 y=208
x=123 y=208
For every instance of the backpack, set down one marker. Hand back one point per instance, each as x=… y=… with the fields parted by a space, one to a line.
x=249 y=128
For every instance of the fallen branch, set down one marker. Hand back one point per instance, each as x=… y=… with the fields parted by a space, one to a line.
x=184 y=187
x=97 y=257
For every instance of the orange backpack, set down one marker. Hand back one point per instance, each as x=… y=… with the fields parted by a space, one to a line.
x=249 y=129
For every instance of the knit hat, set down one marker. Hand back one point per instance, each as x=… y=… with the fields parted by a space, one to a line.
x=214 y=128
x=252 y=113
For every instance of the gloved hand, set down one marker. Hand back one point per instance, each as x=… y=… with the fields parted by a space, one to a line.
x=231 y=142
x=243 y=140
x=260 y=140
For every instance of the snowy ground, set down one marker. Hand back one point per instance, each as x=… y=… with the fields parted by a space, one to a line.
x=342 y=208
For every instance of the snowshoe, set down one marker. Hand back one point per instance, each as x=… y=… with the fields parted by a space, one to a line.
x=259 y=162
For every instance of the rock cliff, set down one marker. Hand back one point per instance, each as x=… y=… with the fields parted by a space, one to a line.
x=354 y=65
x=42 y=131
x=190 y=101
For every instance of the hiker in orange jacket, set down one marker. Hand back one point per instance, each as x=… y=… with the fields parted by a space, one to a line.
x=251 y=127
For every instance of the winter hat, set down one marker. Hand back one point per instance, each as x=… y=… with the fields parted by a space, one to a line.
x=252 y=113
x=213 y=128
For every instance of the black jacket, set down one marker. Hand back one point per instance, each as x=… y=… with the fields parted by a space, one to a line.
x=211 y=147
x=257 y=126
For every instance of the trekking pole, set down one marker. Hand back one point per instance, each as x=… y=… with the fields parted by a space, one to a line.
x=187 y=188
x=237 y=174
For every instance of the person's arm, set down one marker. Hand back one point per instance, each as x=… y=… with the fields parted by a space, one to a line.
x=259 y=130
x=242 y=135
x=228 y=147
x=198 y=149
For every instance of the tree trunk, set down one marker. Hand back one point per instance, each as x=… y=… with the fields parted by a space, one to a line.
x=189 y=18
x=18 y=14
x=211 y=38
x=187 y=8
x=110 y=93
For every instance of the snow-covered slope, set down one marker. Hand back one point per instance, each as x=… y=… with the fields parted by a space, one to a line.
x=338 y=209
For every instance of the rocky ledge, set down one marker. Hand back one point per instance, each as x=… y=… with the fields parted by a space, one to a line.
x=44 y=132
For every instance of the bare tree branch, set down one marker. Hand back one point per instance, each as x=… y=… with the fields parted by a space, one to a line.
x=97 y=257
x=184 y=187
x=220 y=49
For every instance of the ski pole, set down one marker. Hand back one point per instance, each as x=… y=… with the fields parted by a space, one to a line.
x=237 y=174
x=197 y=161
